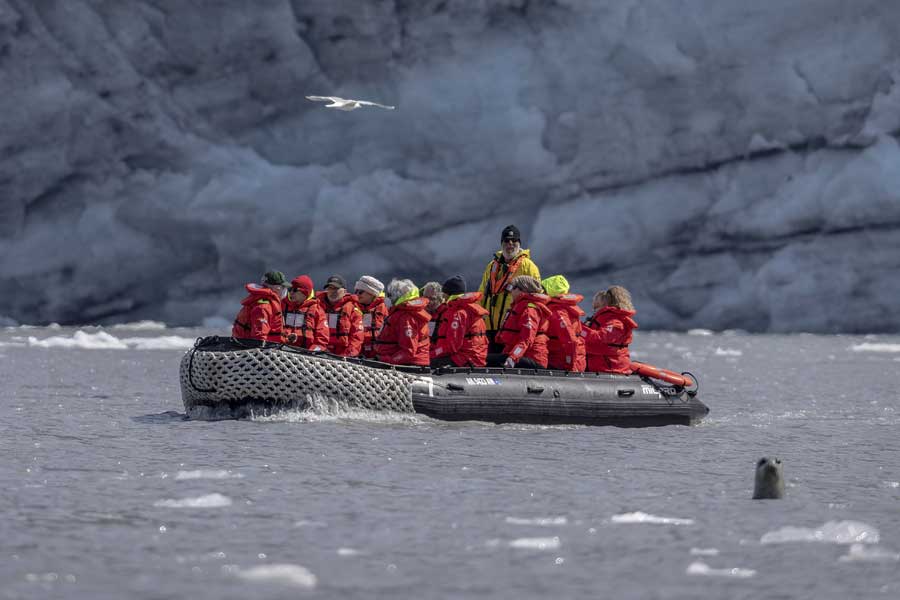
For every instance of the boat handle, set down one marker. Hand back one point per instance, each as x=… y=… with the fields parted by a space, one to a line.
x=535 y=389
x=626 y=393
x=455 y=387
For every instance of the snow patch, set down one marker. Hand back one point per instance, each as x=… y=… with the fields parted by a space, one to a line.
x=641 y=517
x=207 y=501
x=283 y=574
x=832 y=532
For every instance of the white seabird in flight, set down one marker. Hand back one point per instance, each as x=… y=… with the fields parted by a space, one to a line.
x=345 y=104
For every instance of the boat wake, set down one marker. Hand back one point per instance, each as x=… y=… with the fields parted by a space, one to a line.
x=319 y=408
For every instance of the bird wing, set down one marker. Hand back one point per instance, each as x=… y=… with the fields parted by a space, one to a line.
x=367 y=103
x=325 y=98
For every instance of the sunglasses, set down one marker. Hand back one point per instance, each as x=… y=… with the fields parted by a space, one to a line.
x=510 y=241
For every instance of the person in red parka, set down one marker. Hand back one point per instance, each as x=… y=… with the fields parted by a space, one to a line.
x=404 y=338
x=460 y=339
x=607 y=333
x=523 y=332
x=345 y=330
x=370 y=292
x=260 y=315
x=565 y=346
x=305 y=324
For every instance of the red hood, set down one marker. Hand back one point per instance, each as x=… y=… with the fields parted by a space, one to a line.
x=378 y=301
x=568 y=303
x=336 y=307
x=469 y=301
x=299 y=305
x=415 y=305
x=258 y=292
x=619 y=313
x=538 y=300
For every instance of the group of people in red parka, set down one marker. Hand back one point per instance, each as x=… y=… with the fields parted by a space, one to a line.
x=444 y=325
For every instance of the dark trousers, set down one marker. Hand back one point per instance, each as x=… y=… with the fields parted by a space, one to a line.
x=497 y=360
x=444 y=361
x=493 y=347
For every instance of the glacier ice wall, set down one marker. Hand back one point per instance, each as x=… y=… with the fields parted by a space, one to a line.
x=735 y=164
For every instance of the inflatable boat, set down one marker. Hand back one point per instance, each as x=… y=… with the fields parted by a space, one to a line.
x=223 y=378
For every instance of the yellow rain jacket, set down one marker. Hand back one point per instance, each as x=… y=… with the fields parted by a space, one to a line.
x=497 y=275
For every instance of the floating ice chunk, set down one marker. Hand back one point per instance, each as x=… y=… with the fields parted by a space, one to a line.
x=699 y=332
x=728 y=352
x=541 y=543
x=279 y=573
x=863 y=553
x=206 y=474
x=832 y=532
x=704 y=552
x=641 y=517
x=348 y=552
x=867 y=347
x=541 y=521
x=165 y=342
x=891 y=484
x=207 y=501
x=700 y=568
x=141 y=326
x=105 y=341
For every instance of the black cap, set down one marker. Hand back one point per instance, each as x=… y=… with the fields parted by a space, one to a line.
x=510 y=232
x=275 y=278
x=454 y=285
x=335 y=281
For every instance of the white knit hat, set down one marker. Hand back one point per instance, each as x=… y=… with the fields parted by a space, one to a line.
x=369 y=284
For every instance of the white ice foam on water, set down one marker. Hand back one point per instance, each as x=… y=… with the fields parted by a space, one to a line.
x=704 y=552
x=867 y=347
x=207 y=501
x=728 y=352
x=891 y=484
x=284 y=574
x=540 y=543
x=699 y=332
x=325 y=410
x=700 y=568
x=105 y=341
x=540 y=521
x=206 y=474
x=832 y=532
x=863 y=553
x=141 y=326
x=641 y=517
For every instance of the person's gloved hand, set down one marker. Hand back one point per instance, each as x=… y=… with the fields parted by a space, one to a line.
x=509 y=363
x=291 y=338
x=583 y=333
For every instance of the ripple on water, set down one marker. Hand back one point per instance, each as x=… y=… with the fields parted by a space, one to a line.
x=540 y=521
x=641 y=517
x=701 y=568
x=206 y=474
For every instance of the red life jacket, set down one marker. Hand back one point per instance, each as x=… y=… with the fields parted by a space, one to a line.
x=523 y=332
x=307 y=321
x=260 y=316
x=461 y=331
x=565 y=346
x=345 y=332
x=404 y=338
x=608 y=336
x=373 y=317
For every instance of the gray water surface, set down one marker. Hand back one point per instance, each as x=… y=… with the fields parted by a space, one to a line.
x=107 y=492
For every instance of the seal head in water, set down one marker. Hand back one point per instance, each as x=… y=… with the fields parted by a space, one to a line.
x=769 y=479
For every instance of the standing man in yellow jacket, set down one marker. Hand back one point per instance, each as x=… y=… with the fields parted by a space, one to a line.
x=508 y=263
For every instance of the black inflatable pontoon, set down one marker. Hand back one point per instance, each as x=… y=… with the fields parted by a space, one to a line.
x=224 y=378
